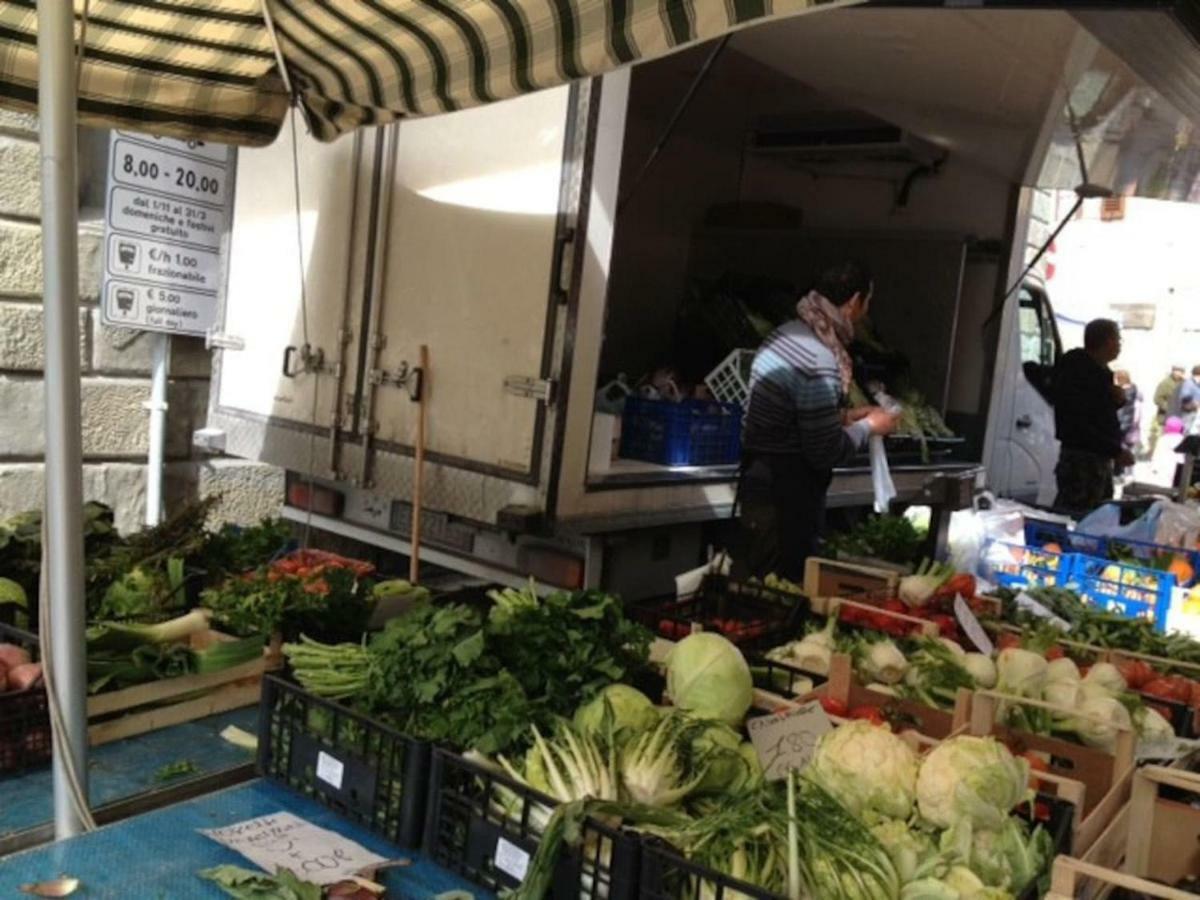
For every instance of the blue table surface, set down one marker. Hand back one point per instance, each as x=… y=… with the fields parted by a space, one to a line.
x=156 y=856
x=129 y=767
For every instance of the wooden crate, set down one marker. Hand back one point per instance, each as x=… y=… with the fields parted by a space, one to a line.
x=171 y=701
x=1099 y=771
x=1150 y=837
x=936 y=724
x=834 y=578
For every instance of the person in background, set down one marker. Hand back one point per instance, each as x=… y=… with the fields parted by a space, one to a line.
x=1185 y=402
x=1086 y=401
x=1162 y=402
x=1164 y=461
x=1130 y=414
x=798 y=426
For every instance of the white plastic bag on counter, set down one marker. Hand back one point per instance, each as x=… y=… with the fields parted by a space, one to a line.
x=881 y=476
x=688 y=583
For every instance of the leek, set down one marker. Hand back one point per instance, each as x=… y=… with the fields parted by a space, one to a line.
x=118 y=636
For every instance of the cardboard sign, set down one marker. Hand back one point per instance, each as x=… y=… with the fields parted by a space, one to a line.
x=511 y=859
x=283 y=839
x=787 y=741
x=971 y=627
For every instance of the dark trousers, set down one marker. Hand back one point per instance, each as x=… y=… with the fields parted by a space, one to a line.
x=782 y=511
x=1085 y=480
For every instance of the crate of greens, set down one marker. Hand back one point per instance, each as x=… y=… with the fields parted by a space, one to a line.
x=24 y=712
x=358 y=767
x=487 y=826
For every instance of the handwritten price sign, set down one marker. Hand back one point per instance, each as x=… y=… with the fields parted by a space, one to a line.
x=788 y=740
x=312 y=853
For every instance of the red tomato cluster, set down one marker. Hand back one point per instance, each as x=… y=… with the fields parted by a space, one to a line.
x=734 y=629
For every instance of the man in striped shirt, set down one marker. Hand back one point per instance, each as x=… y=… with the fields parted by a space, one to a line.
x=798 y=426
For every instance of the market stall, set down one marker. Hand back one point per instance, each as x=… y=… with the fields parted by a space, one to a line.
x=900 y=732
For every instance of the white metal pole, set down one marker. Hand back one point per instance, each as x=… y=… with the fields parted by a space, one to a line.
x=63 y=437
x=160 y=364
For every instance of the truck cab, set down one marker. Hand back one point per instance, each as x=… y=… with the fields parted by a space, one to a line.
x=541 y=246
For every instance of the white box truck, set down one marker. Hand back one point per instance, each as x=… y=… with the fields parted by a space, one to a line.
x=541 y=245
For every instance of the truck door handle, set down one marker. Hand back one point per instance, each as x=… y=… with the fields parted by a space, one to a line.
x=1024 y=422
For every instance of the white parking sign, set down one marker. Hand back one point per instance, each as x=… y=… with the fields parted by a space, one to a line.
x=167 y=211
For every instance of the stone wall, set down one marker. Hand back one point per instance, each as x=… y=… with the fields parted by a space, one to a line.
x=115 y=364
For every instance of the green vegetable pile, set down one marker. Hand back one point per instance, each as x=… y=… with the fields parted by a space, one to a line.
x=477 y=678
x=868 y=817
x=891 y=538
x=1090 y=625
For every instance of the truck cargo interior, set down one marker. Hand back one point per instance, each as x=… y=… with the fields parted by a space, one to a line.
x=748 y=166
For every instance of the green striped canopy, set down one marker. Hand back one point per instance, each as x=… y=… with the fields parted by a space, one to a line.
x=208 y=68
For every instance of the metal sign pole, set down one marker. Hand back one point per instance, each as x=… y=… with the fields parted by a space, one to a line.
x=63 y=433
x=161 y=363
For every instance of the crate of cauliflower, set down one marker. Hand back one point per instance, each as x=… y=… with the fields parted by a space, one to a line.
x=876 y=820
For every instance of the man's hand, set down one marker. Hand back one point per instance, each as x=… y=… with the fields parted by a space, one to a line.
x=881 y=421
x=850 y=416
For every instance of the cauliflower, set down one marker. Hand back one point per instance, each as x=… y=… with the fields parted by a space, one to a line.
x=911 y=851
x=870 y=770
x=973 y=778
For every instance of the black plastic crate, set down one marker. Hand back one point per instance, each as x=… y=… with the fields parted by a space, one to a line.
x=486 y=827
x=750 y=615
x=25 y=740
x=782 y=678
x=358 y=767
x=666 y=875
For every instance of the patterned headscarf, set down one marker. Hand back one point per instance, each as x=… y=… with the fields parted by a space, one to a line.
x=832 y=329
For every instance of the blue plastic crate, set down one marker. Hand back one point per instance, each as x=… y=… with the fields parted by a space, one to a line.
x=688 y=433
x=1039 y=533
x=1132 y=591
x=1015 y=565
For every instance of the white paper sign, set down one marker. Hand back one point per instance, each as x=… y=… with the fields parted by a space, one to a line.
x=971 y=627
x=168 y=209
x=330 y=770
x=283 y=839
x=1027 y=603
x=786 y=741
x=511 y=859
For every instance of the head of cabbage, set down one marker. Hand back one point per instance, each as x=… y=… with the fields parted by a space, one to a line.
x=617 y=709
x=870 y=770
x=708 y=677
x=972 y=778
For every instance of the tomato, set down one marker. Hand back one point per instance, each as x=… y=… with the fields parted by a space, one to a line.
x=870 y=714
x=1136 y=672
x=1195 y=701
x=1041 y=811
x=834 y=707
x=1054 y=652
x=895 y=605
x=947 y=625
x=962 y=584
x=1168 y=689
x=1007 y=639
x=853 y=615
x=881 y=621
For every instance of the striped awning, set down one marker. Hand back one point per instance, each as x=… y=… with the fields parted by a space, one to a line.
x=208 y=68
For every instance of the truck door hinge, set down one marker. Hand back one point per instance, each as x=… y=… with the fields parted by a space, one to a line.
x=219 y=340
x=544 y=389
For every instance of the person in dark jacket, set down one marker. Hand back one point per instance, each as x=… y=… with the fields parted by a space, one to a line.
x=798 y=425
x=1086 y=401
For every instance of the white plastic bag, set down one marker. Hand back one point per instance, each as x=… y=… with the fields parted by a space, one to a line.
x=881 y=476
